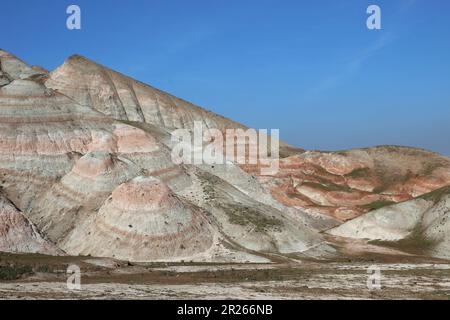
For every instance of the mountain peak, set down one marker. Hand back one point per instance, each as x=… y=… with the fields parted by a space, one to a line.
x=14 y=67
x=125 y=98
x=79 y=57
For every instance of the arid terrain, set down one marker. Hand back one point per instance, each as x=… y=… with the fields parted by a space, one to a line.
x=87 y=178
x=402 y=277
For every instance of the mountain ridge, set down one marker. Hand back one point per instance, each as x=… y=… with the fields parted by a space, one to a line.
x=85 y=155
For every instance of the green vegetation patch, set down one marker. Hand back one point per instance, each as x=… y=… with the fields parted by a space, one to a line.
x=377 y=204
x=244 y=216
x=359 y=173
x=415 y=243
x=208 y=183
x=435 y=195
x=14 y=272
x=388 y=178
x=429 y=167
x=328 y=186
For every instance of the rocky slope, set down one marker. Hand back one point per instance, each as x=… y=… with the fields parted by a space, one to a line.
x=123 y=98
x=347 y=184
x=420 y=225
x=85 y=155
x=104 y=184
x=17 y=234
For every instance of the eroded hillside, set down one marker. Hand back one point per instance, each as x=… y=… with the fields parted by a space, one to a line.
x=85 y=165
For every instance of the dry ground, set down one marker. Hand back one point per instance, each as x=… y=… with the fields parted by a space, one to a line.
x=403 y=277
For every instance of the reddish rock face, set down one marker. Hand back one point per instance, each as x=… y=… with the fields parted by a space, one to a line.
x=347 y=184
x=93 y=165
x=133 y=140
x=141 y=194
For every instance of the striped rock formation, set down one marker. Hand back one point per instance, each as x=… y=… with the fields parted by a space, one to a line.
x=123 y=98
x=85 y=161
x=143 y=220
x=18 y=234
x=419 y=226
x=346 y=184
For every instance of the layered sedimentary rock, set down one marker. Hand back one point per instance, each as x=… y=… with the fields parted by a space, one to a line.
x=420 y=225
x=18 y=234
x=347 y=184
x=143 y=220
x=85 y=157
x=12 y=68
x=123 y=98
x=83 y=177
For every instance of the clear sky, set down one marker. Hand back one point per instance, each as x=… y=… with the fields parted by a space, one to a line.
x=310 y=68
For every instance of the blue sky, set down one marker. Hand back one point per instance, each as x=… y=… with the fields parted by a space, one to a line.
x=310 y=68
